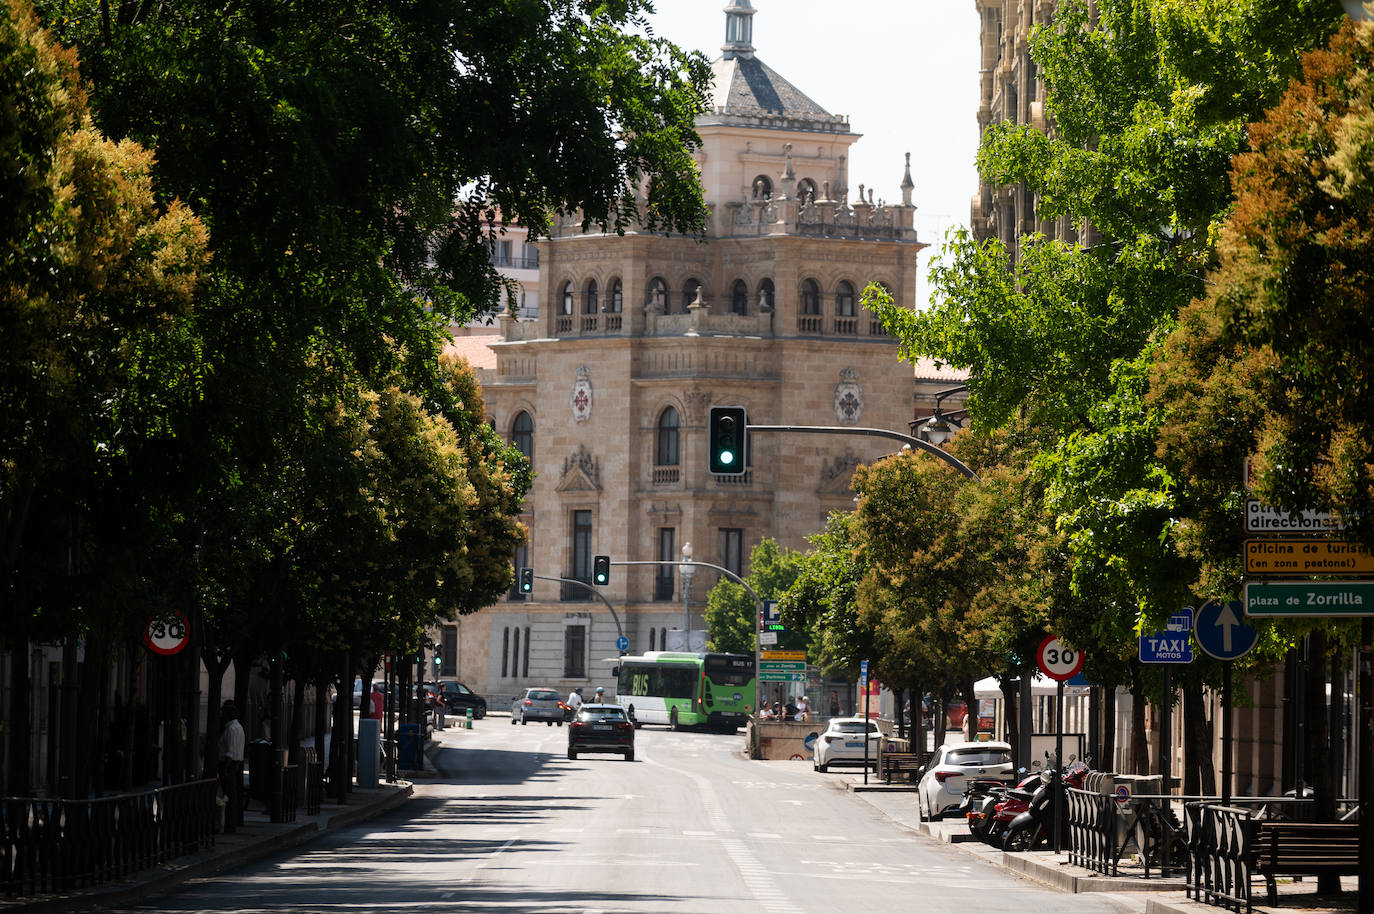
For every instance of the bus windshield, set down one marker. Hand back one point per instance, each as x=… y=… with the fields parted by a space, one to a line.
x=729 y=669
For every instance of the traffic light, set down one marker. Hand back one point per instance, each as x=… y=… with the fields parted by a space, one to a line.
x=727 y=440
x=601 y=570
x=526 y=580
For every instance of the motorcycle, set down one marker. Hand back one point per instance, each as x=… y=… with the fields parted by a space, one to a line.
x=1031 y=827
x=976 y=794
x=1011 y=803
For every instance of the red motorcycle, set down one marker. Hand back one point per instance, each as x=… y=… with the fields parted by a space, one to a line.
x=989 y=819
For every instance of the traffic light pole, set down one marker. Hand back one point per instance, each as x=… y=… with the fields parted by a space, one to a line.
x=758 y=612
x=918 y=443
x=620 y=631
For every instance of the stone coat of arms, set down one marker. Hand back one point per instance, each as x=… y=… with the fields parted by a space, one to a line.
x=849 y=397
x=581 y=399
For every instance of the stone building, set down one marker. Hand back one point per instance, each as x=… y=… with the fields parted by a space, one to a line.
x=608 y=389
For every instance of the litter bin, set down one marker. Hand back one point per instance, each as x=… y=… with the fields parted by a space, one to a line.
x=408 y=747
x=261 y=771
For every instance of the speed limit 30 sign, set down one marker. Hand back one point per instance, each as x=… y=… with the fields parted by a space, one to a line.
x=1057 y=660
x=167 y=635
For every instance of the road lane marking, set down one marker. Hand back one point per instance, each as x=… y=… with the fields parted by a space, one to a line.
x=492 y=857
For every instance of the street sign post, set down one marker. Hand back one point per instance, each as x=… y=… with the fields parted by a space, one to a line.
x=1171 y=645
x=1307 y=556
x=1309 y=598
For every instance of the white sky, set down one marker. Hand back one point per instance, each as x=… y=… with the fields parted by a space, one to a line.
x=904 y=71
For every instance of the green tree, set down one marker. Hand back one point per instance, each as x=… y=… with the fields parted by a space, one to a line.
x=731 y=612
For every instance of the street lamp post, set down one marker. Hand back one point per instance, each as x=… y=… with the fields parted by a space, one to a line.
x=687 y=569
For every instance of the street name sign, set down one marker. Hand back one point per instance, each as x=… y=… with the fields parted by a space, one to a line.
x=1307 y=556
x=1309 y=598
x=773 y=666
x=780 y=676
x=1260 y=518
x=1171 y=645
x=1220 y=630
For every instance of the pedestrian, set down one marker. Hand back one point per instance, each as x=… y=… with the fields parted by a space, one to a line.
x=765 y=713
x=834 y=703
x=231 y=766
x=789 y=710
x=803 y=708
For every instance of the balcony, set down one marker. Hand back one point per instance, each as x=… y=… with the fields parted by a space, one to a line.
x=743 y=480
x=846 y=326
x=515 y=263
x=667 y=476
x=809 y=323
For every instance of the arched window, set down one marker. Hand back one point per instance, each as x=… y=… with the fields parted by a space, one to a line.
x=810 y=297
x=844 y=300
x=617 y=302
x=762 y=188
x=739 y=297
x=689 y=293
x=766 y=295
x=666 y=453
x=567 y=298
x=806 y=190
x=590 y=304
x=522 y=434
x=658 y=294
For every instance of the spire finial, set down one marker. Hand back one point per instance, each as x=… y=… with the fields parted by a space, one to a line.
x=907 y=184
x=739 y=30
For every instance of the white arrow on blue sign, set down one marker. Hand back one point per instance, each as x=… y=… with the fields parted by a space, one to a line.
x=622 y=643
x=1221 y=632
x=1171 y=645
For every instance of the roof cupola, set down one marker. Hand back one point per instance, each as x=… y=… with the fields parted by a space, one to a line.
x=739 y=30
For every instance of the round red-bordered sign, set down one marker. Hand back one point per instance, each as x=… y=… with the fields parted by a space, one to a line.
x=1058 y=660
x=167 y=634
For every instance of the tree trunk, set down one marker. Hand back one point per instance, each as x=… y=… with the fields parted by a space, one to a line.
x=1140 y=738
x=918 y=718
x=1200 y=772
x=970 y=709
x=293 y=739
x=216 y=666
x=1108 y=760
x=1011 y=716
x=21 y=731
x=939 y=716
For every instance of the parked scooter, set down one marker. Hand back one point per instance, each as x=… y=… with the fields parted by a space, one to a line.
x=1032 y=827
x=976 y=796
x=1013 y=802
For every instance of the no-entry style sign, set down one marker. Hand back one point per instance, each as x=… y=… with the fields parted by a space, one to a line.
x=1057 y=660
x=167 y=634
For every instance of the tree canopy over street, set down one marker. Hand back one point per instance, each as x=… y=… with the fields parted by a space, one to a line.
x=222 y=378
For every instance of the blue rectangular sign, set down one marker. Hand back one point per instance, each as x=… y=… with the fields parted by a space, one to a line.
x=863 y=676
x=1174 y=644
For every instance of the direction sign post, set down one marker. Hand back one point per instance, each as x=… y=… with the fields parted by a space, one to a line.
x=1060 y=662
x=863 y=688
x=1309 y=598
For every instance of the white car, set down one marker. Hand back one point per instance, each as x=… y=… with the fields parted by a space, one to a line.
x=942 y=785
x=842 y=743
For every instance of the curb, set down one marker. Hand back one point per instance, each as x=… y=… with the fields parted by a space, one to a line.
x=176 y=873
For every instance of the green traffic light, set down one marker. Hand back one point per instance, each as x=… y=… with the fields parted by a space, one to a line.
x=727 y=457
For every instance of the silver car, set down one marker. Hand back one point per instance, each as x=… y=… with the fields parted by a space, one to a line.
x=538 y=704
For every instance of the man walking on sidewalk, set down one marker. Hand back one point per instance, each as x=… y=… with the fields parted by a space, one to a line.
x=231 y=766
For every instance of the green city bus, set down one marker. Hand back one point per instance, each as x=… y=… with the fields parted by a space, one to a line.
x=687 y=690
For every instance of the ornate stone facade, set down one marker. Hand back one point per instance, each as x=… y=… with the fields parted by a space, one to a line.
x=767 y=315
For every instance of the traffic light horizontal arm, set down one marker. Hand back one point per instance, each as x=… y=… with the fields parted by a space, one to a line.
x=873 y=433
x=620 y=630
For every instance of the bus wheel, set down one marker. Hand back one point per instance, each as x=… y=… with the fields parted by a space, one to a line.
x=672 y=720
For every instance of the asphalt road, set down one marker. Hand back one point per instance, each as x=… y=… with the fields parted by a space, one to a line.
x=690 y=826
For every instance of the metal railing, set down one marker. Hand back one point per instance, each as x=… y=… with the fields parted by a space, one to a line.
x=57 y=845
x=667 y=475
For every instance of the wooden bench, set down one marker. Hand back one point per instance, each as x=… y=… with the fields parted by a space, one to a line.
x=1306 y=849
x=907 y=763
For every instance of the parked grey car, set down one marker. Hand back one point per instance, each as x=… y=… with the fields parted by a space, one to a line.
x=537 y=704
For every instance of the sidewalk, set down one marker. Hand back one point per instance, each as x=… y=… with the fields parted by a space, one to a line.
x=1150 y=896
x=257 y=838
